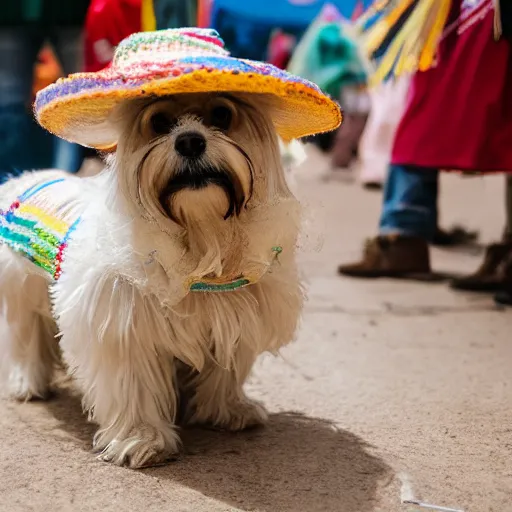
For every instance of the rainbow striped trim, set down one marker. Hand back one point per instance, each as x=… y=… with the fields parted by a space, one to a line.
x=34 y=233
x=43 y=238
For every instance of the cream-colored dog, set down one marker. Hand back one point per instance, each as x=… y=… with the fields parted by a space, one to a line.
x=179 y=270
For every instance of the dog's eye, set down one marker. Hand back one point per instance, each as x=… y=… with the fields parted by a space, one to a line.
x=161 y=123
x=221 y=117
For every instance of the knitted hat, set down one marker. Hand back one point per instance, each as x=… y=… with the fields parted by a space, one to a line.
x=176 y=61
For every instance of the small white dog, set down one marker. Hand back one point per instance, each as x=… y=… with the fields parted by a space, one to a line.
x=164 y=277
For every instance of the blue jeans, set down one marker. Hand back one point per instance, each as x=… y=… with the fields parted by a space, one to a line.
x=23 y=144
x=410 y=202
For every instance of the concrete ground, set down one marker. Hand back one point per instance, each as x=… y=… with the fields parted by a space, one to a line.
x=393 y=391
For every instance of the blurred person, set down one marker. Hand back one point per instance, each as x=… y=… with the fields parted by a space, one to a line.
x=458 y=116
x=204 y=13
x=504 y=297
x=504 y=269
x=280 y=48
x=388 y=101
x=496 y=269
x=164 y=14
x=107 y=23
x=47 y=70
x=329 y=56
x=25 y=26
x=356 y=105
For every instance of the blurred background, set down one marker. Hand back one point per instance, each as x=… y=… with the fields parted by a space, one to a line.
x=41 y=40
x=357 y=51
x=415 y=378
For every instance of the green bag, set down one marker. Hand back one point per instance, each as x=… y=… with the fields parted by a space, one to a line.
x=328 y=56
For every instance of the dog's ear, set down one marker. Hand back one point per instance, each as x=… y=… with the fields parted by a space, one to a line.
x=124 y=116
x=269 y=105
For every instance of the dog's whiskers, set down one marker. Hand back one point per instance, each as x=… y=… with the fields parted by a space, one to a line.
x=155 y=144
x=249 y=165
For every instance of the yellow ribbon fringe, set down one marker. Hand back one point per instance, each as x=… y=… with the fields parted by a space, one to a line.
x=148 y=18
x=415 y=45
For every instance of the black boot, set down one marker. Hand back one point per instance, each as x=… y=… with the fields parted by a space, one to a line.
x=504 y=296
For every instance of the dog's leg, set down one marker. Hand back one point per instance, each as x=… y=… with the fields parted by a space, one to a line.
x=28 y=349
x=110 y=340
x=218 y=398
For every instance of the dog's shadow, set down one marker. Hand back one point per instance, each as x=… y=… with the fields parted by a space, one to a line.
x=295 y=464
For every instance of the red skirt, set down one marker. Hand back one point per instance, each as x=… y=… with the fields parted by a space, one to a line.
x=459 y=113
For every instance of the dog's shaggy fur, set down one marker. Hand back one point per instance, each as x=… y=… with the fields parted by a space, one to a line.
x=139 y=343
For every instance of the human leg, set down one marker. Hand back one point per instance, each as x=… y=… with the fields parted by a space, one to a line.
x=504 y=297
x=508 y=209
x=496 y=268
x=407 y=224
x=67 y=43
x=18 y=51
x=28 y=348
x=410 y=202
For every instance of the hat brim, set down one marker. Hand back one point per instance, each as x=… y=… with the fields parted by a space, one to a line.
x=77 y=108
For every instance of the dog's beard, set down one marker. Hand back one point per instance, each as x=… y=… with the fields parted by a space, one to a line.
x=204 y=197
x=170 y=188
x=207 y=202
x=197 y=192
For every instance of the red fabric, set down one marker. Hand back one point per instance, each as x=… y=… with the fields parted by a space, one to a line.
x=358 y=10
x=204 y=13
x=280 y=49
x=108 y=23
x=459 y=114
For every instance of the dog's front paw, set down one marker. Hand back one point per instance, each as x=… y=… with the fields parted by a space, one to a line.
x=25 y=384
x=234 y=416
x=143 y=447
x=245 y=414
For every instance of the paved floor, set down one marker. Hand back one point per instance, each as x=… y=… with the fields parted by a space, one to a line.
x=393 y=391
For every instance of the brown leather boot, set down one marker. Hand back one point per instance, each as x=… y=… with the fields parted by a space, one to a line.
x=491 y=274
x=392 y=256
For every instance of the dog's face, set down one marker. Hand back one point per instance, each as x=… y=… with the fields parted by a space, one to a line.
x=199 y=157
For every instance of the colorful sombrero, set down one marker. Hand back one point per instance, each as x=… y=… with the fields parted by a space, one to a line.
x=187 y=60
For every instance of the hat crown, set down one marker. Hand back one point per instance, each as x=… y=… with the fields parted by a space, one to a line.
x=168 y=45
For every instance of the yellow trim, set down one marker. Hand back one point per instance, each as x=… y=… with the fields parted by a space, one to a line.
x=299 y=110
x=51 y=222
x=148 y=18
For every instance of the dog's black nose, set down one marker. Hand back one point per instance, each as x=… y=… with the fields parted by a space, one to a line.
x=190 y=144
